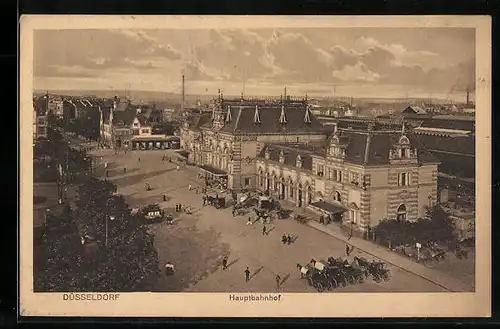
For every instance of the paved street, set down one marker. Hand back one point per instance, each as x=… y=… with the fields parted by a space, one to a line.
x=196 y=243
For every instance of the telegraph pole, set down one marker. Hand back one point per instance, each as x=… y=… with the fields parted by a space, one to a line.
x=183 y=95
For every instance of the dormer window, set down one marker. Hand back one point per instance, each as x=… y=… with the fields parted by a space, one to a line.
x=307 y=117
x=282 y=115
x=228 y=115
x=282 y=157
x=299 y=161
x=402 y=150
x=256 y=116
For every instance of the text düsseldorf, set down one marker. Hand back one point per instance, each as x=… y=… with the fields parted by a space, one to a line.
x=89 y=296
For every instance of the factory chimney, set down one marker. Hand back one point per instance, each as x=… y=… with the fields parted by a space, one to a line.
x=183 y=96
x=468 y=97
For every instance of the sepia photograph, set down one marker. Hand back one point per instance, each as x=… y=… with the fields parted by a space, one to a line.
x=255 y=166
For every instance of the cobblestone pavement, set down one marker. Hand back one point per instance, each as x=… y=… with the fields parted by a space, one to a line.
x=196 y=243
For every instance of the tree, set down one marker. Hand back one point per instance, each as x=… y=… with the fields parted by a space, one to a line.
x=441 y=226
x=436 y=227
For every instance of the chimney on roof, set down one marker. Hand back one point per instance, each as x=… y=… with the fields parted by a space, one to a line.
x=228 y=114
x=282 y=115
x=256 y=116
x=468 y=96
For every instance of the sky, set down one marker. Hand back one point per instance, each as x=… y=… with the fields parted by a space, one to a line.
x=352 y=62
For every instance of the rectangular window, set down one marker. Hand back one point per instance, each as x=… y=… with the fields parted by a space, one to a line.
x=404 y=179
x=329 y=173
x=321 y=170
x=145 y=131
x=247 y=181
x=354 y=178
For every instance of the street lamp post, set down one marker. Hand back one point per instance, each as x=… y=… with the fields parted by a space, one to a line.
x=108 y=217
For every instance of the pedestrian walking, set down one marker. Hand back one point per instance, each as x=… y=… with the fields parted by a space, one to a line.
x=264 y=230
x=224 y=262
x=190 y=187
x=169 y=268
x=321 y=219
x=164 y=197
x=233 y=212
x=180 y=207
x=284 y=238
x=204 y=200
x=139 y=159
x=177 y=167
x=247 y=275
x=347 y=250
x=249 y=222
x=289 y=239
x=278 y=281
x=124 y=170
x=107 y=173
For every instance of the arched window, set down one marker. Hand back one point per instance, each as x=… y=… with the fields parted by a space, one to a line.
x=401 y=214
x=337 y=197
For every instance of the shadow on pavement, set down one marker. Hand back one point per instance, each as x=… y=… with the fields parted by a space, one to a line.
x=256 y=272
x=233 y=262
x=135 y=179
x=194 y=252
x=284 y=279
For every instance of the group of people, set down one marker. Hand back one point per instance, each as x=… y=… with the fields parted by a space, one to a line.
x=178 y=207
x=325 y=219
x=286 y=239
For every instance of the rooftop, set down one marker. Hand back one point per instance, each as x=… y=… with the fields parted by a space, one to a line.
x=362 y=147
x=242 y=120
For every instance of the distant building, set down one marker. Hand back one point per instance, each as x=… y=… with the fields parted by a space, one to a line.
x=414 y=110
x=130 y=127
x=40 y=123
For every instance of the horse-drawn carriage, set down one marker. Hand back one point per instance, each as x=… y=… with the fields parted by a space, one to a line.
x=316 y=276
x=153 y=213
x=349 y=273
x=428 y=252
x=378 y=270
x=339 y=272
x=216 y=201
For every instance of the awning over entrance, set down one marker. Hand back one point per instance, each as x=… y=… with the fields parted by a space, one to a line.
x=213 y=171
x=328 y=207
x=150 y=138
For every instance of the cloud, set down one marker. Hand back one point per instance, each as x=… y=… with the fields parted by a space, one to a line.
x=342 y=57
x=298 y=58
x=62 y=71
x=276 y=57
x=358 y=72
x=235 y=55
x=196 y=71
x=98 y=49
x=399 y=53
